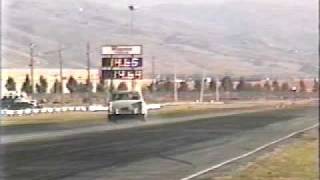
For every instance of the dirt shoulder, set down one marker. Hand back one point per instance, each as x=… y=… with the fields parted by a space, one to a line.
x=296 y=161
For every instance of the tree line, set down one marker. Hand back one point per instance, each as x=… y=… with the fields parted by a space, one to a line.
x=42 y=86
x=227 y=85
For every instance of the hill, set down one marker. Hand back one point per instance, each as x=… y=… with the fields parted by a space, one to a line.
x=237 y=37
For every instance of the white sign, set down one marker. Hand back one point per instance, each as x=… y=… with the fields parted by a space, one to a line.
x=122 y=50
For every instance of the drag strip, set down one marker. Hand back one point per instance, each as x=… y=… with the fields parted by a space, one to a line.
x=51 y=131
x=169 y=151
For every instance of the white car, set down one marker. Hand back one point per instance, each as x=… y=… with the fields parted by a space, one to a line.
x=127 y=104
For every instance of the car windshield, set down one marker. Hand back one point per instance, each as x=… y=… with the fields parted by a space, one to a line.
x=125 y=96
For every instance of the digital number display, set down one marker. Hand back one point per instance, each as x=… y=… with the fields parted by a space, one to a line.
x=122 y=62
x=122 y=74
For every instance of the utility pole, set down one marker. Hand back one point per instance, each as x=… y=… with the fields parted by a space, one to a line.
x=153 y=74
x=217 y=89
x=132 y=8
x=88 y=63
x=202 y=87
x=89 y=84
x=61 y=74
x=32 y=68
x=175 y=84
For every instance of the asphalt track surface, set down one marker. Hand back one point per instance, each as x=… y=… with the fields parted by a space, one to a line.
x=161 y=152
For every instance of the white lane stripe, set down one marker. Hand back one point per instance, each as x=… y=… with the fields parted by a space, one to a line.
x=248 y=153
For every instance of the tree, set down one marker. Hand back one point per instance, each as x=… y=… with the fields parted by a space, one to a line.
x=81 y=88
x=43 y=86
x=315 y=87
x=267 y=86
x=26 y=86
x=285 y=87
x=275 y=86
x=89 y=86
x=122 y=86
x=152 y=87
x=168 y=86
x=11 y=84
x=57 y=87
x=183 y=86
x=302 y=86
x=212 y=85
x=72 y=84
x=257 y=87
x=242 y=86
x=101 y=87
x=197 y=85
x=227 y=84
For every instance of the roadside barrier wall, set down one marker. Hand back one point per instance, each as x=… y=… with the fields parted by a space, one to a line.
x=49 y=110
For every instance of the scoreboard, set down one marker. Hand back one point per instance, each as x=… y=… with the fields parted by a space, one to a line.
x=123 y=62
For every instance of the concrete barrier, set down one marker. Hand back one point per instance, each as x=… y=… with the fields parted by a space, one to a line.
x=10 y=112
x=44 y=110
x=57 y=110
x=27 y=111
x=92 y=108
x=36 y=111
x=64 y=109
x=19 y=112
x=3 y=112
x=83 y=108
x=95 y=108
x=153 y=106
x=71 y=108
x=50 y=110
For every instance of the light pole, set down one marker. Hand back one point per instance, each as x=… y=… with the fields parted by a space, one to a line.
x=202 y=86
x=32 y=46
x=153 y=74
x=175 y=86
x=61 y=74
x=88 y=65
x=81 y=11
x=217 y=89
x=88 y=81
x=132 y=8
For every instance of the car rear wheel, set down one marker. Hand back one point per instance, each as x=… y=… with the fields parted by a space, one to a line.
x=142 y=117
